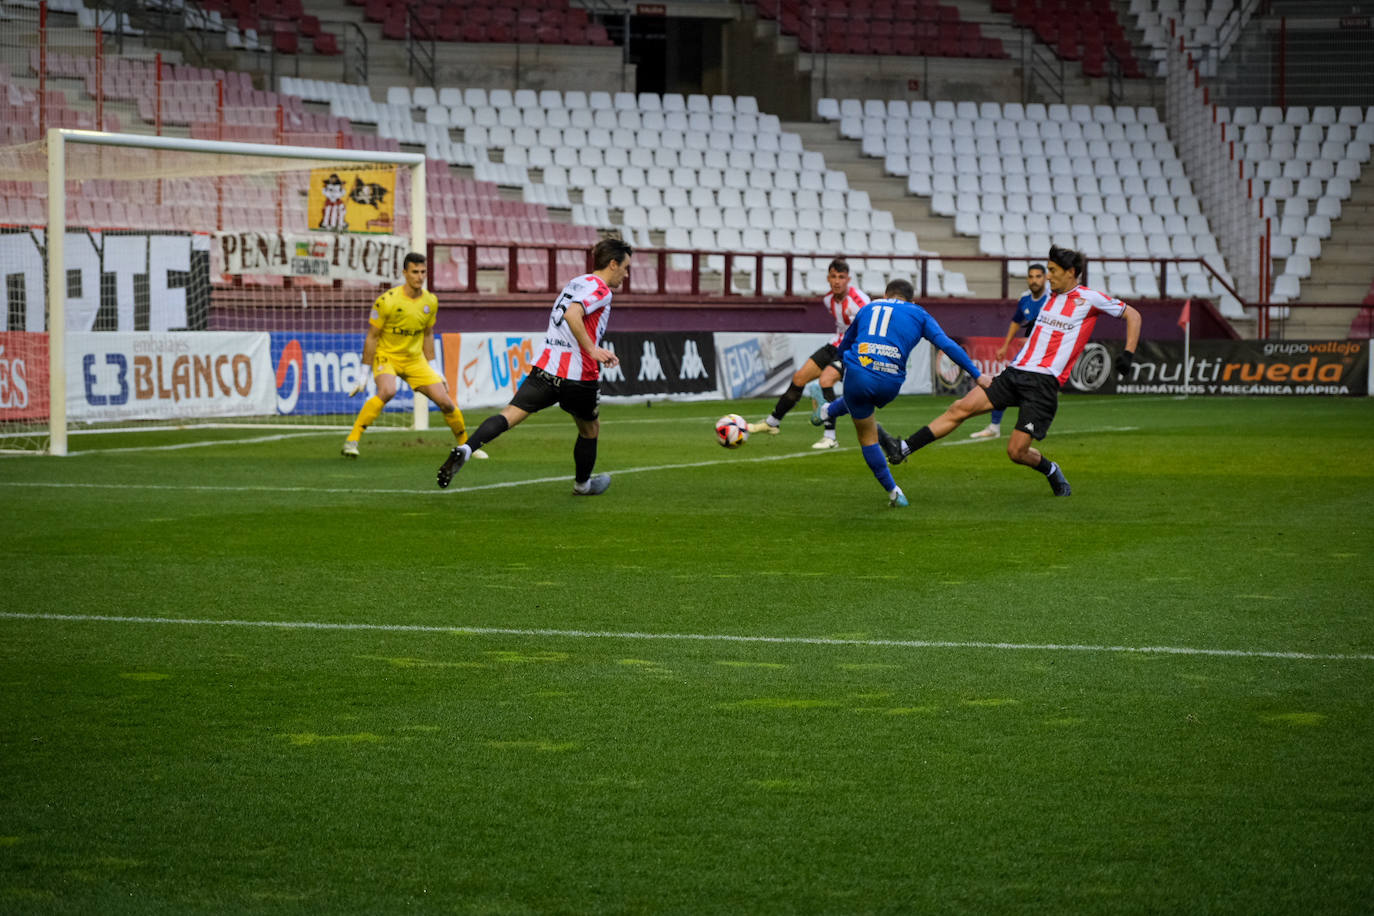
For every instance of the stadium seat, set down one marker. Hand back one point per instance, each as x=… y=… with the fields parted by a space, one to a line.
x=1286 y=289
x=1299 y=266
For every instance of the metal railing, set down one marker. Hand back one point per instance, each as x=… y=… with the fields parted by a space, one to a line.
x=353 y=49
x=420 y=48
x=1293 y=55
x=701 y=280
x=1043 y=70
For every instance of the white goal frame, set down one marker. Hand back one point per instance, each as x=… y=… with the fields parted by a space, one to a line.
x=58 y=138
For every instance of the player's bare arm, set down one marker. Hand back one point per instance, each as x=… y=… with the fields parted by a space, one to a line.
x=1132 y=327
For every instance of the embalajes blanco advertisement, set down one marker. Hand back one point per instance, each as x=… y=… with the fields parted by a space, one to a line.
x=172 y=376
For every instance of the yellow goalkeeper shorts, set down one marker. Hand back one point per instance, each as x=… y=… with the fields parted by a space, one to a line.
x=417 y=372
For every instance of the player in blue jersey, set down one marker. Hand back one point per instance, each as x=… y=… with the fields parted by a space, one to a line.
x=1027 y=310
x=875 y=350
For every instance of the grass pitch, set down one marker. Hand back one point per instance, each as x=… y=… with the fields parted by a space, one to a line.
x=250 y=676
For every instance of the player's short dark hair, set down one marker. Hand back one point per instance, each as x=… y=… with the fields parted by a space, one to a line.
x=413 y=258
x=1039 y=267
x=608 y=250
x=839 y=265
x=900 y=289
x=1067 y=258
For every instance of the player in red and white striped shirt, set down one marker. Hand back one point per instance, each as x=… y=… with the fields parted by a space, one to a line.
x=843 y=302
x=567 y=371
x=1033 y=379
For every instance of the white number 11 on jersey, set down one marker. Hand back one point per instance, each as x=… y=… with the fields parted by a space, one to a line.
x=877 y=322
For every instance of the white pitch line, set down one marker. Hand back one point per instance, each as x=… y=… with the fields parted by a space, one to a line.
x=426 y=491
x=699 y=637
x=204 y=443
x=501 y=485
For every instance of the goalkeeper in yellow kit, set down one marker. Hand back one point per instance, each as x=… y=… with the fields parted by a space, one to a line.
x=400 y=344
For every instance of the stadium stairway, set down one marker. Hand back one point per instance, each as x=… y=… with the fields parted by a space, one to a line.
x=934 y=234
x=1342 y=273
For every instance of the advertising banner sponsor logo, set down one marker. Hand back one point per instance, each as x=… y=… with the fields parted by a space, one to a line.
x=114 y=376
x=352 y=200
x=315 y=372
x=661 y=364
x=949 y=379
x=377 y=259
x=483 y=370
x=23 y=375
x=918 y=369
x=116 y=280
x=1229 y=368
x=762 y=365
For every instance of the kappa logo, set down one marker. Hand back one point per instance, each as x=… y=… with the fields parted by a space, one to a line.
x=692 y=364
x=1030 y=427
x=612 y=373
x=650 y=368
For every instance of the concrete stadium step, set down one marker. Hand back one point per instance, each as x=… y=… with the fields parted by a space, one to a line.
x=933 y=233
x=1342 y=273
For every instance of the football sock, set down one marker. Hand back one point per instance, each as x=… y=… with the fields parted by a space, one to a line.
x=996 y=418
x=491 y=427
x=789 y=399
x=371 y=410
x=877 y=463
x=919 y=439
x=455 y=423
x=1045 y=466
x=836 y=408
x=829 y=395
x=584 y=459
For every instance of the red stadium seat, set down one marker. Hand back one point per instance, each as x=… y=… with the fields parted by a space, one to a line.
x=326 y=43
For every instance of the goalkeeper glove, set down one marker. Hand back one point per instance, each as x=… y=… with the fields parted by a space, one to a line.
x=1123 y=363
x=364 y=374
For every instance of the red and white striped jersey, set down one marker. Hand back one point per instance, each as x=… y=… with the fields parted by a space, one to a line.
x=844 y=309
x=562 y=356
x=1062 y=331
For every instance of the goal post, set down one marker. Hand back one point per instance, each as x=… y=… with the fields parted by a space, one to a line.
x=243 y=264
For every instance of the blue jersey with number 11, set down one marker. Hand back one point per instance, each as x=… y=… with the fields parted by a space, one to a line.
x=884 y=333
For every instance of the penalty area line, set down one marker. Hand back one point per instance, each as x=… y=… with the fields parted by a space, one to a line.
x=701 y=637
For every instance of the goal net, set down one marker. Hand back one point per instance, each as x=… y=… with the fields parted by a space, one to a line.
x=175 y=281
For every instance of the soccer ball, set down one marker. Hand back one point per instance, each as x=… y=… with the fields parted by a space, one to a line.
x=732 y=430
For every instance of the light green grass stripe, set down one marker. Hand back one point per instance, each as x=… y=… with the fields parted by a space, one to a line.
x=704 y=637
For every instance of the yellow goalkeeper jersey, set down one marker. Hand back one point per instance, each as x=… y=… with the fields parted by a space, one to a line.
x=404 y=322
